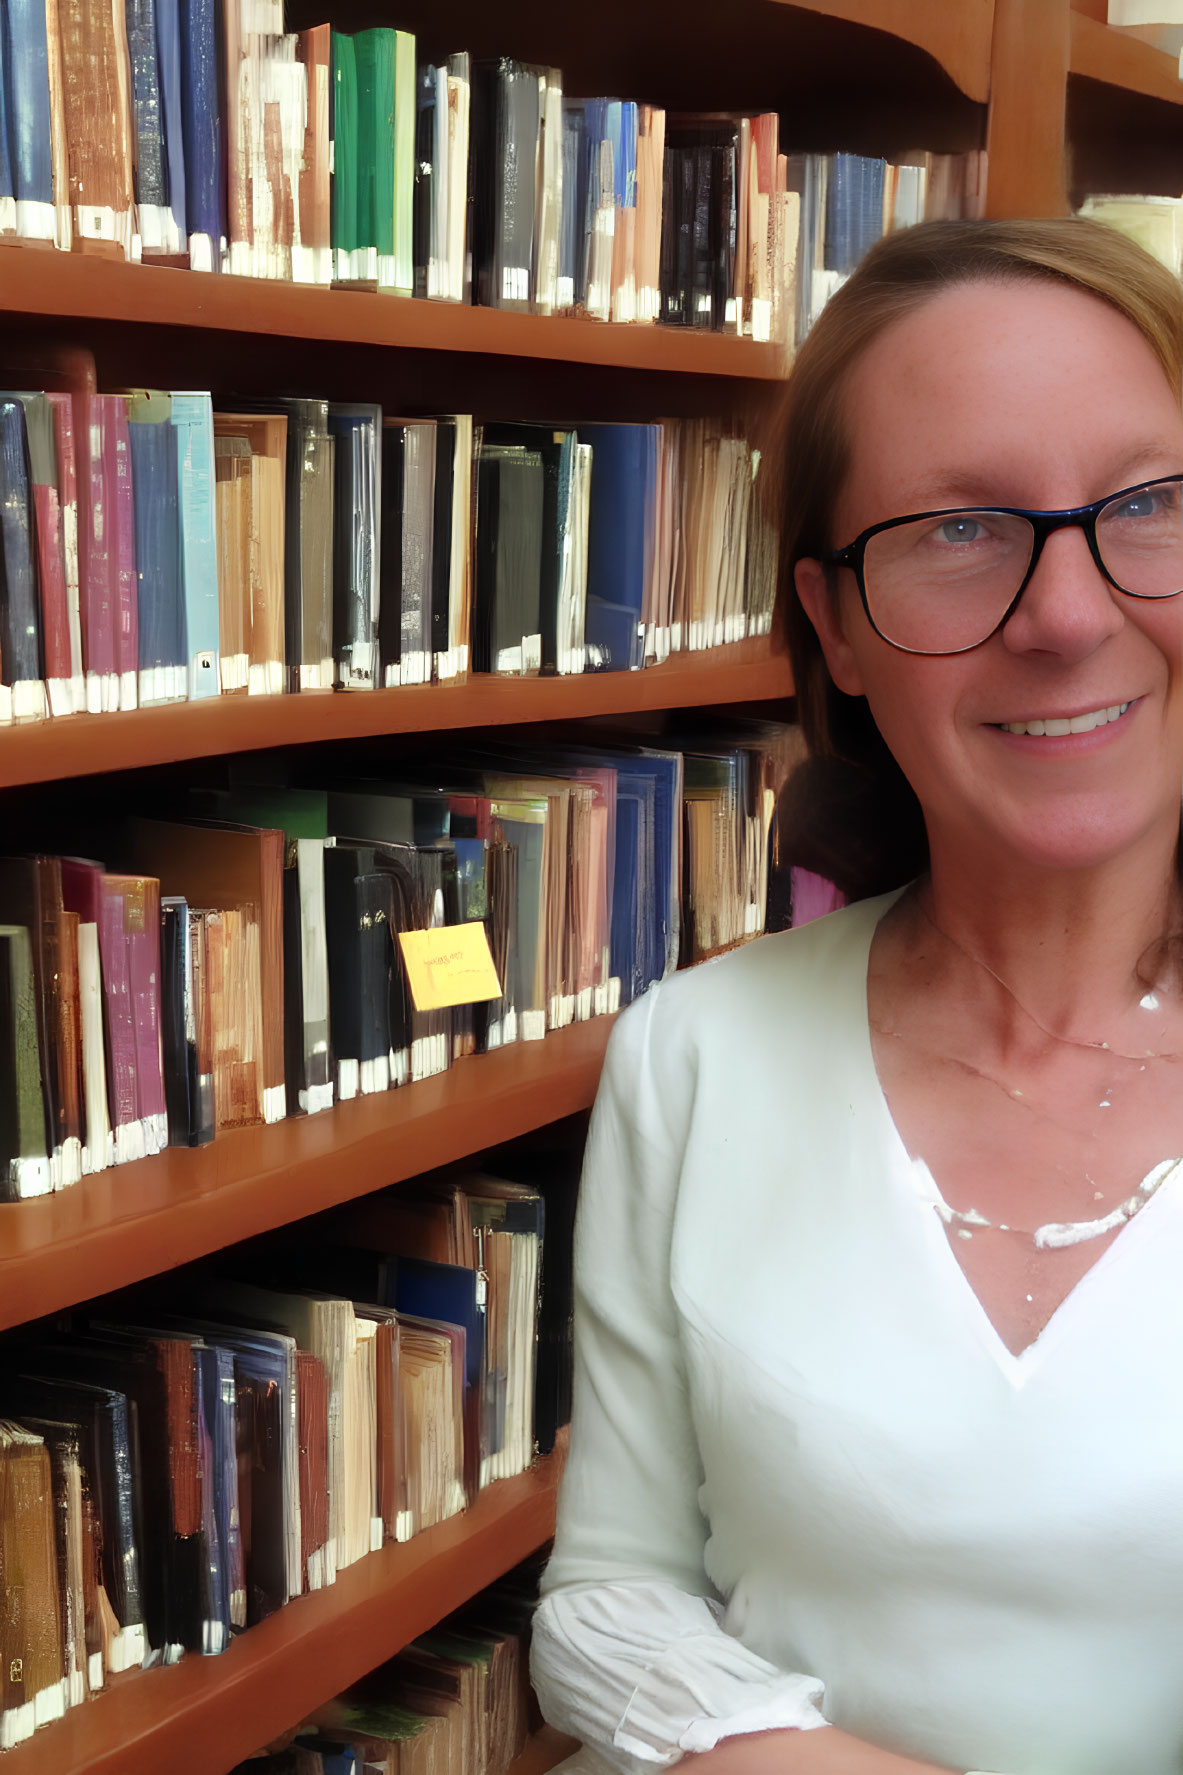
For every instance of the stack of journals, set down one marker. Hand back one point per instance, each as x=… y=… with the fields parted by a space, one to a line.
x=157 y=549
x=170 y=1480
x=201 y=134
x=454 y=1702
x=246 y=957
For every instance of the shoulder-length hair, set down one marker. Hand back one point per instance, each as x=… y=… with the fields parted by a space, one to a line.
x=849 y=812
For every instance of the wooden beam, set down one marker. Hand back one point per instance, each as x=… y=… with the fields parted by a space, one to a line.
x=1027 y=173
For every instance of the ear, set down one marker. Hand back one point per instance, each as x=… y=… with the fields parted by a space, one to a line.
x=821 y=608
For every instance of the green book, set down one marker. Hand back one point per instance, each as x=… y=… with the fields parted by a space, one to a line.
x=344 y=160
x=375 y=55
x=404 y=163
x=24 y=1162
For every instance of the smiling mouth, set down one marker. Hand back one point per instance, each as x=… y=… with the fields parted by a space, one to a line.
x=1057 y=726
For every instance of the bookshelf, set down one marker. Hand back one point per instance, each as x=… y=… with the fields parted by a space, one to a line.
x=84 y=745
x=1065 y=105
x=134 y=1221
x=203 y=1715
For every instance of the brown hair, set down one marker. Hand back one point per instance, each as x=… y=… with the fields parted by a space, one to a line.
x=849 y=812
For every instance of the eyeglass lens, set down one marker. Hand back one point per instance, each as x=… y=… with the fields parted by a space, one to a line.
x=943 y=584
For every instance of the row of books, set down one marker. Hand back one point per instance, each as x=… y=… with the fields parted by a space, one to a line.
x=245 y=957
x=849 y=201
x=169 y=1480
x=157 y=549
x=201 y=133
x=456 y=1701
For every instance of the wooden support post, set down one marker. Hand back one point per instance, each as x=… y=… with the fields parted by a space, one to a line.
x=1027 y=174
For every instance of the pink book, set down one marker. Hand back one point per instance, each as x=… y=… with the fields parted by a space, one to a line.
x=62 y=406
x=142 y=926
x=121 y=1022
x=96 y=480
x=127 y=605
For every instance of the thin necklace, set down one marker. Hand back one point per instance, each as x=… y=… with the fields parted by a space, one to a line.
x=1149 y=1001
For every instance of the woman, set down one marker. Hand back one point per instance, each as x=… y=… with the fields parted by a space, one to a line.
x=877 y=1460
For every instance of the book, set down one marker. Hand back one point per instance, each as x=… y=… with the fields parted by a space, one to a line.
x=202 y=134
x=29 y=145
x=357 y=540
x=22 y=691
x=250 y=458
x=96 y=90
x=160 y=583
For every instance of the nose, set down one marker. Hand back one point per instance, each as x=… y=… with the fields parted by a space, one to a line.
x=1069 y=608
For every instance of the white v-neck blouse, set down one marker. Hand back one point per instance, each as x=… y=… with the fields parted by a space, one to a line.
x=805 y=1471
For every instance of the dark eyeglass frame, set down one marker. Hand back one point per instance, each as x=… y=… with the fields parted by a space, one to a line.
x=1043 y=524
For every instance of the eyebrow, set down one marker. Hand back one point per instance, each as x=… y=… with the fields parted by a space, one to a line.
x=963 y=488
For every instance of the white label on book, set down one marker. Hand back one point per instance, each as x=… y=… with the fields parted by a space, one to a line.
x=34 y=220
x=348 y=1080
x=515 y=283
x=94 y=1672
x=531 y=653
x=508 y=659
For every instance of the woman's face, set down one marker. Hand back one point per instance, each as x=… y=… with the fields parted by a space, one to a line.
x=1035 y=395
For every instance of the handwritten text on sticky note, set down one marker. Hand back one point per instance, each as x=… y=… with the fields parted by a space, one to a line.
x=449 y=966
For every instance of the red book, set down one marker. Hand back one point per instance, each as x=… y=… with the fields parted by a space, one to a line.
x=55 y=614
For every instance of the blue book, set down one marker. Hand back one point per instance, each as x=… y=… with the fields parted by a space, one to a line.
x=7 y=189
x=444 y=1291
x=163 y=654
x=22 y=692
x=619 y=542
x=26 y=126
x=168 y=59
x=201 y=119
x=193 y=421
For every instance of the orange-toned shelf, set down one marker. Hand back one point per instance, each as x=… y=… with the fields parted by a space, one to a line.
x=136 y=1220
x=73 y=286
x=82 y=745
x=956 y=33
x=1121 y=60
x=204 y=1715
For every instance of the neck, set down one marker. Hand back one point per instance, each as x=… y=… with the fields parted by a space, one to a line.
x=1070 y=944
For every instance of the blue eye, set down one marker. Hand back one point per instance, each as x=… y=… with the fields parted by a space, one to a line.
x=960 y=530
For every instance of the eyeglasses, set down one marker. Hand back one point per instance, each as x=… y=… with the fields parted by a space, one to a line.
x=945 y=581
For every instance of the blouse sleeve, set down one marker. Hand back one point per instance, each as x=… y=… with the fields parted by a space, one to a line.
x=629 y=1651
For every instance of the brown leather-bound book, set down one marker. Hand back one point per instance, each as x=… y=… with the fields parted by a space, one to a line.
x=97 y=104
x=312 y=1411
x=213 y=865
x=32 y=1661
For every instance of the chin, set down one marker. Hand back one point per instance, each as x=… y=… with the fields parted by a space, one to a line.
x=1074 y=838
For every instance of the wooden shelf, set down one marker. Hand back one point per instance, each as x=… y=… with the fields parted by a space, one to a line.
x=86 y=745
x=956 y=33
x=137 y=1220
x=204 y=1715
x=1118 y=59
x=73 y=286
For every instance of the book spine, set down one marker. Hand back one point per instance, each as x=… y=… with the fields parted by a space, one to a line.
x=316 y=261
x=26 y=53
x=120 y=1024
x=98 y=1150
x=404 y=163
x=163 y=661
x=192 y=417
x=202 y=132
x=168 y=52
x=122 y=519
x=22 y=690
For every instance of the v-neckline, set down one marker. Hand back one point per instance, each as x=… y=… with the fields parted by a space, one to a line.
x=915 y=1179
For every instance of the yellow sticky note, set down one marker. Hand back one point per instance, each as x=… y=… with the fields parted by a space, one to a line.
x=449 y=966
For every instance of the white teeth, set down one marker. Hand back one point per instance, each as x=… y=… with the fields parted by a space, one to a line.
x=1078 y=724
